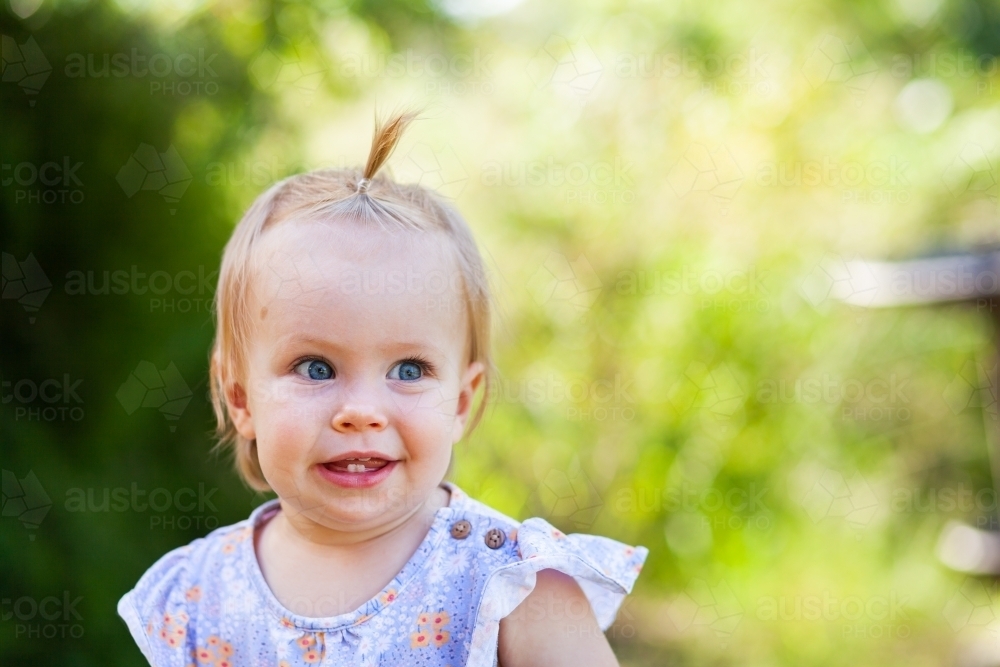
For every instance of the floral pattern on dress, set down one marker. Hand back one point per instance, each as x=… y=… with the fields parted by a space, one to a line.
x=207 y=603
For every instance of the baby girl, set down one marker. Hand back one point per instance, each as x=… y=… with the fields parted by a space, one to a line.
x=353 y=332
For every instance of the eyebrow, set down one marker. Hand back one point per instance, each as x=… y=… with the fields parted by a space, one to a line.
x=400 y=346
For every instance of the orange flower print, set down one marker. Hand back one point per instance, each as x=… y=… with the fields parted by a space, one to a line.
x=228 y=548
x=558 y=534
x=388 y=596
x=286 y=623
x=193 y=594
x=311 y=656
x=629 y=551
x=431 y=628
x=305 y=641
x=284 y=663
x=512 y=534
x=216 y=652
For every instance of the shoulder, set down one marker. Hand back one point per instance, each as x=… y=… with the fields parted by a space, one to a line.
x=588 y=575
x=538 y=545
x=167 y=596
x=478 y=527
x=182 y=565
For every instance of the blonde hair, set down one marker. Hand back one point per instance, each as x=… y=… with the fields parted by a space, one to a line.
x=362 y=195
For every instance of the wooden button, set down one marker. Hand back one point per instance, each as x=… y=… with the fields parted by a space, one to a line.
x=495 y=538
x=461 y=529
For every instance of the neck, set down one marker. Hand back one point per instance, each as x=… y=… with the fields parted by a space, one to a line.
x=299 y=528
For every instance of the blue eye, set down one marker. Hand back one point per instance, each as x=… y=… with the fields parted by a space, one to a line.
x=409 y=370
x=315 y=369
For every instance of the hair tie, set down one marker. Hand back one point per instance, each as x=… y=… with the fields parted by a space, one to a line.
x=363 y=185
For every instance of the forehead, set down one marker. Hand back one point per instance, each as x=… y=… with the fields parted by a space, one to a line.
x=358 y=287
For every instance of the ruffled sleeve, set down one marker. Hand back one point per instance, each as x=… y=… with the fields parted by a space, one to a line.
x=604 y=568
x=155 y=611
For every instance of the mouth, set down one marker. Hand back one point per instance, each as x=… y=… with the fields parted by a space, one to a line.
x=357 y=464
x=358 y=469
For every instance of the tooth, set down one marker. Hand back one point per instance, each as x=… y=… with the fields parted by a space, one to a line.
x=368 y=458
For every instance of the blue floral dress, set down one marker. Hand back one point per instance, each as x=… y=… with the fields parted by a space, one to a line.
x=207 y=603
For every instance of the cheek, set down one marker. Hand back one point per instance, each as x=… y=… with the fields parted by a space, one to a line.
x=426 y=428
x=288 y=418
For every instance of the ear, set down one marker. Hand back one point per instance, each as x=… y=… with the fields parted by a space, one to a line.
x=473 y=377
x=239 y=411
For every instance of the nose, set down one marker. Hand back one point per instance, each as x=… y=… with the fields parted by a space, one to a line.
x=358 y=418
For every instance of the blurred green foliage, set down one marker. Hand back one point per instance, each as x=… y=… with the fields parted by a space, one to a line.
x=667 y=196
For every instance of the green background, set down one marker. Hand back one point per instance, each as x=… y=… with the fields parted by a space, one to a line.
x=667 y=196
